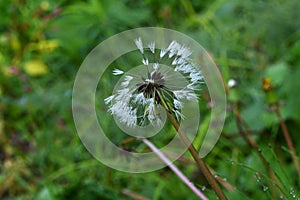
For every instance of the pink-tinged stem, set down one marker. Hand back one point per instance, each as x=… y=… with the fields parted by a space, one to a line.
x=174 y=169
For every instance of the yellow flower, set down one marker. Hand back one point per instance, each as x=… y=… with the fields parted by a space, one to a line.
x=35 y=68
x=44 y=45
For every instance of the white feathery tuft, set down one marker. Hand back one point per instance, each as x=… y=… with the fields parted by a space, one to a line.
x=139 y=44
x=152 y=47
x=117 y=72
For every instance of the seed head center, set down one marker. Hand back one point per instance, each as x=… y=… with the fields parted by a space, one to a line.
x=152 y=81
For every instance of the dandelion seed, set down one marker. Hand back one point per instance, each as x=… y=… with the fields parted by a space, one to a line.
x=109 y=99
x=178 y=115
x=139 y=44
x=163 y=53
x=171 y=54
x=173 y=46
x=150 y=110
x=191 y=96
x=123 y=95
x=196 y=76
x=127 y=81
x=155 y=66
x=181 y=61
x=152 y=47
x=139 y=98
x=145 y=61
x=175 y=61
x=193 y=86
x=184 y=67
x=117 y=72
x=178 y=104
x=184 y=52
x=179 y=94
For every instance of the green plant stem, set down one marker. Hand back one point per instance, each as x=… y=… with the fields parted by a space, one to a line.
x=288 y=140
x=252 y=144
x=201 y=164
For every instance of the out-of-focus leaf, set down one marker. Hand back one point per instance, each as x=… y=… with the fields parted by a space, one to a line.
x=289 y=91
x=277 y=73
x=45 y=194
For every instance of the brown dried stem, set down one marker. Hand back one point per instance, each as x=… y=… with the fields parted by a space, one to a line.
x=201 y=164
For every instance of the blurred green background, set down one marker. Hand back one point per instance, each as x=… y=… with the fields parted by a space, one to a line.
x=43 y=43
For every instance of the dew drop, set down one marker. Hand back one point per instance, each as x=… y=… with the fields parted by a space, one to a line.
x=258 y=178
x=203 y=188
x=269 y=145
x=259 y=150
x=265 y=188
x=292 y=193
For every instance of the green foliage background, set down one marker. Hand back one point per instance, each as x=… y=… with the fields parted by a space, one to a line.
x=41 y=155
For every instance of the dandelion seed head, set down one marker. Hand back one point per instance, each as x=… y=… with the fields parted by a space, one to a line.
x=139 y=97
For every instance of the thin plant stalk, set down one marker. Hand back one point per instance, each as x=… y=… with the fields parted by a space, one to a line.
x=252 y=144
x=133 y=195
x=275 y=107
x=201 y=164
x=288 y=139
x=174 y=169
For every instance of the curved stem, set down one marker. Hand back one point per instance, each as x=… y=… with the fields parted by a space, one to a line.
x=203 y=167
x=174 y=169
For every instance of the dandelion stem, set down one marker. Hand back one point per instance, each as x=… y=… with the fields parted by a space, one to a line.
x=174 y=169
x=203 y=167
